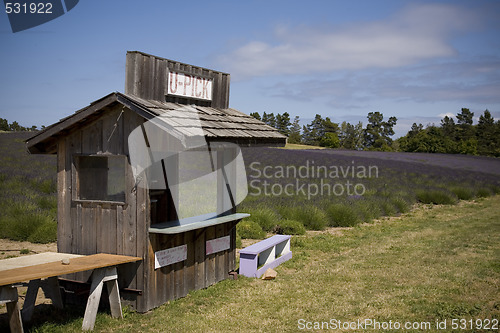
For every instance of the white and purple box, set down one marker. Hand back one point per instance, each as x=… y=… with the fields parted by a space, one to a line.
x=269 y=253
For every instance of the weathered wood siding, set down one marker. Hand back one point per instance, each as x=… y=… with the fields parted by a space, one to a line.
x=93 y=227
x=146 y=77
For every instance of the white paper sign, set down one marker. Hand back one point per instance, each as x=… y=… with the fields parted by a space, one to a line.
x=192 y=86
x=218 y=244
x=170 y=256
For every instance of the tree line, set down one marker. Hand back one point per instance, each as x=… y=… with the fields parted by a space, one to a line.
x=450 y=137
x=326 y=133
x=460 y=137
x=15 y=127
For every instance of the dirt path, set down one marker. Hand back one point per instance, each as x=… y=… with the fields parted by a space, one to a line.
x=9 y=248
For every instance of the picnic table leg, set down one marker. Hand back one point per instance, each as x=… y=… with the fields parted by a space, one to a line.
x=8 y=294
x=114 y=298
x=99 y=276
x=29 y=301
x=50 y=287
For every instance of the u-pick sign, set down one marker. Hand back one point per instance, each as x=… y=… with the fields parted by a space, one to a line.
x=26 y=14
x=191 y=86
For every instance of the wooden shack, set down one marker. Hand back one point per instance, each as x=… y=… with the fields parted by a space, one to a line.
x=101 y=208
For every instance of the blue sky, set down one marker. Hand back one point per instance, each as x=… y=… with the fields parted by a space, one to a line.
x=416 y=60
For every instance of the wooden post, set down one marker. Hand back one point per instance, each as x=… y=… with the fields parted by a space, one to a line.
x=99 y=276
x=8 y=294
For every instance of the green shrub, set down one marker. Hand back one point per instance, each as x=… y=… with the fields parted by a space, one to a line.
x=483 y=192
x=342 y=215
x=250 y=229
x=290 y=227
x=368 y=210
x=388 y=208
x=437 y=197
x=20 y=221
x=46 y=186
x=47 y=202
x=463 y=193
x=265 y=217
x=312 y=217
x=45 y=233
x=401 y=204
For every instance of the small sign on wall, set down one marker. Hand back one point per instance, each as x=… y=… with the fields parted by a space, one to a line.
x=187 y=85
x=218 y=244
x=170 y=256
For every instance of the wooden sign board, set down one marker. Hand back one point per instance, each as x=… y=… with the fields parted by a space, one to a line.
x=218 y=245
x=191 y=86
x=170 y=256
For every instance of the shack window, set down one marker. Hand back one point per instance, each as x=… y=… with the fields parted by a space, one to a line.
x=100 y=178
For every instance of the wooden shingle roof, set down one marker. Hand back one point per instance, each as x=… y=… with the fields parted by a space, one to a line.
x=218 y=124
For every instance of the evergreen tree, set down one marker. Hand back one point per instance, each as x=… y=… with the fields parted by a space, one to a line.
x=4 y=125
x=330 y=137
x=464 y=124
x=283 y=123
x=448 y=127
x=294 y=136
x=486 y=135
x=415 y=129
x=269 y=119
x=15 y=126
x=378 y=132
x=256 y=115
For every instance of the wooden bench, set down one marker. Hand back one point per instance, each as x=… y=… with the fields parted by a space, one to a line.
x=269 y=253
x=104 y=271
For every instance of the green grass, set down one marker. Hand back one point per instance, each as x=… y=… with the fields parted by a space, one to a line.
x=434 y=263
x=299 y=146
x=437 y=197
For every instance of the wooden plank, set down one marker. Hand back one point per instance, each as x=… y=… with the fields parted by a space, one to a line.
x=93 y=300
x=153 y=274
x=189 y=271
x=112 y=230
x=112 y=127
x=79 y=264
x=9 y=294
x=179 y=270
x=162 y=273
x=232 y=249
x=63 y=198
x=33 y=259
x=199 y=265
x=169 y=228
x=143 y=246
x=210 y=260
x=169 y=271
x=74 y=146
x=119 y=229
x=220 y=265
x=130 y=72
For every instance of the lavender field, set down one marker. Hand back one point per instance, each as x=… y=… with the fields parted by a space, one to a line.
x=289 y=190
x=28 y=203
x=344 y=188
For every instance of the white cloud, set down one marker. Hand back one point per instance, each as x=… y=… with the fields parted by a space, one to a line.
x=447 y=114
x=416 y=33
